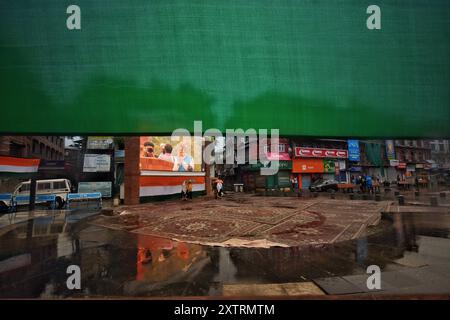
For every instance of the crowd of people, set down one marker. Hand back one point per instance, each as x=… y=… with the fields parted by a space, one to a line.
x=367 y=183
x=186 y=189
x=182 y=162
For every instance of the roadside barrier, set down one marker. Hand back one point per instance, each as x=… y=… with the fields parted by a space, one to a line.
x=84 y=198
x=47 y=198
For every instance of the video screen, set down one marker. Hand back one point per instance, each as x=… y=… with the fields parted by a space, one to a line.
x=166 y=154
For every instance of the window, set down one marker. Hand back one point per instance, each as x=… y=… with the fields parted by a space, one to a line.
x=35 y=146
x=16 y=150
x=59 y=185
x=44 y=186
x=281 y=148
x=24 y=187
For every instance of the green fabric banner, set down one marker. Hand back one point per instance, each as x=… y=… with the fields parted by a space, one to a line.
x=310 y=68
x=374 y=155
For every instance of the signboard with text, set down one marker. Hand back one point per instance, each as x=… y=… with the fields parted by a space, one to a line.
x=99 y=143
x=394 y=163
x=353 y=150
x=329 y=166
x=308 y=166
x=97 y=163
x=390 y=150
x=320 y=153
x=104 y=187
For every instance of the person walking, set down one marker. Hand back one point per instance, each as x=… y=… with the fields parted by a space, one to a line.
x=369 y=184
x=214 y=187
x=363 y=184
x=378 y=184
x=189 y=189
x=219 y=188
x=184 y=190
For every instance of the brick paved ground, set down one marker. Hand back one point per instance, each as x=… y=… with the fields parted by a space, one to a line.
x=250 y=220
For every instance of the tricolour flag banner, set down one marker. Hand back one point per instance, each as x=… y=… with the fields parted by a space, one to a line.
x=18 y=165
x=157 y=185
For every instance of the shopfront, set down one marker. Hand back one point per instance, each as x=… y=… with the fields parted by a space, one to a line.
x=308 y=170
x=254 y=181
x=422 y=174
x=311 y=164
x=401 y=170
x=410 y=173
x=281 y=180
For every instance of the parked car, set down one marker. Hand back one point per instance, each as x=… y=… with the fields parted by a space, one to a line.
x=5 y=202
x=324 y=185
x=58 y=187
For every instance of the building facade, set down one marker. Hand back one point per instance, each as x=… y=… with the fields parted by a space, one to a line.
x=440 y=153
x=42 y=147
x=315 y=159
x=414 y=159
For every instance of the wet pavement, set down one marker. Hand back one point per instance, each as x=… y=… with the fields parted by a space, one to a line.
x=411 y=248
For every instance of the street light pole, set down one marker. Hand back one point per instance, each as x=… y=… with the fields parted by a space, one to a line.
x=32 y=194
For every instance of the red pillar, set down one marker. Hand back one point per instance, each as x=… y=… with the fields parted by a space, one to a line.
x=132 y=171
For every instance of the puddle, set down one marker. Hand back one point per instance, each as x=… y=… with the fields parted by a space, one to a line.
x=35 y=255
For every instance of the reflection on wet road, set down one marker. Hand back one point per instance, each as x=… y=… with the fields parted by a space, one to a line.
x=35 y=254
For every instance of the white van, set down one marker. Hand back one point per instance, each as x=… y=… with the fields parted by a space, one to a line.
x=58 y=187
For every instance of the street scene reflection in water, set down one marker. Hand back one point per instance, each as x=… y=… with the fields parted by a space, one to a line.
x=411 y=249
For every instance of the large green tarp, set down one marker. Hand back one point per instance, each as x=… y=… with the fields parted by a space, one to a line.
x=306 y=67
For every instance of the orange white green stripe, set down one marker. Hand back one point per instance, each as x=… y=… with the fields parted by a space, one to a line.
x=157 y=184
x=18 y=165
